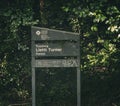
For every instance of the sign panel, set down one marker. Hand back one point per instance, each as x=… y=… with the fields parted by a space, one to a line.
x=49 y=34
x=55 y=49
x=56 y=63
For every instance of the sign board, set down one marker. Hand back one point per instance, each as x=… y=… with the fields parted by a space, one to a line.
x=54 y=49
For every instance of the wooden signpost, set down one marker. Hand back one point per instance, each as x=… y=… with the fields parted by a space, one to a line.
x=54 y=49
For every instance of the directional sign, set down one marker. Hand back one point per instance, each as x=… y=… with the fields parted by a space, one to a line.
x=54 y=49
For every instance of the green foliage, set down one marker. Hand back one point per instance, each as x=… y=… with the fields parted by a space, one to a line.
x=99 y=29
x=15 y=72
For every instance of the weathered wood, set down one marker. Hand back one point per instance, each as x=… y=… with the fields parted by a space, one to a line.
x=50 y=34
x=56 y=63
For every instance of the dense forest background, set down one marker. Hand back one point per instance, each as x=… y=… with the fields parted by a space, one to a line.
x=97 y=21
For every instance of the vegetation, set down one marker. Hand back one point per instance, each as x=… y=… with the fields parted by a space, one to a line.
x=98 y=23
